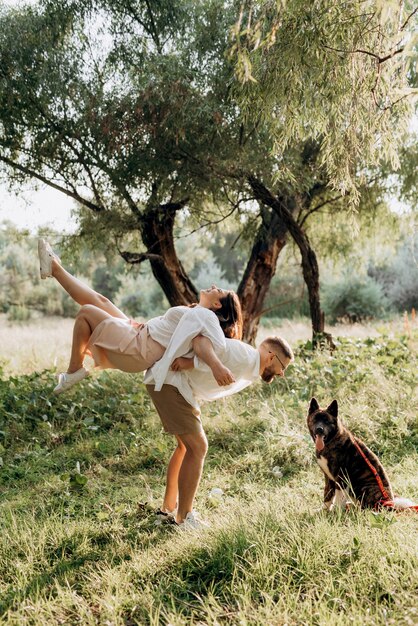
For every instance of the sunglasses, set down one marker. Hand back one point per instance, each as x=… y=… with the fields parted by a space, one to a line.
x=281 y=363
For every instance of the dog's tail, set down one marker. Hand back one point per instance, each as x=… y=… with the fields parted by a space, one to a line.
x=400 y=504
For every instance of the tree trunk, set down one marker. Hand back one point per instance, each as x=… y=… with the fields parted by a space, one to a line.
x=157 y=225
x=285 y=207
x=261 y=267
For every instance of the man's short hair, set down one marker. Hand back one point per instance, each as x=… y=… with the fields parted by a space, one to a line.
x=278 y=343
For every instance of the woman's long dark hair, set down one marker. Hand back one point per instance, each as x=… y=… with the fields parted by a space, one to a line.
x=230 y=315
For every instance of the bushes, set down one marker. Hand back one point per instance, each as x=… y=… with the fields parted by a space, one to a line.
x=399 y=278
x=354 y=299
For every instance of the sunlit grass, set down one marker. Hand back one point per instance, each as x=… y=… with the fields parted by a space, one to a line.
x=93 y=555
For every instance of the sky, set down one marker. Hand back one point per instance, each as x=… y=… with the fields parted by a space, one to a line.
x=31 y=209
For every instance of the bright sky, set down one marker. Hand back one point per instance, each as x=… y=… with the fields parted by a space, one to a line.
x=32 y=209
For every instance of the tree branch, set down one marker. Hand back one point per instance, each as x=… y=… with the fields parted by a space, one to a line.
x=367 y=52
x=408 y=18
x=67 y=192
x=319 y=206
x=154 y=28
x=135 y=258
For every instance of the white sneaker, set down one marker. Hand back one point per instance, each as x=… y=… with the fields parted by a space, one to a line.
x=65 y=380
x=46 y=254
x=193 y=522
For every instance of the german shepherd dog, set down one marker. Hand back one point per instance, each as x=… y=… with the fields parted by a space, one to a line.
x=347 y=473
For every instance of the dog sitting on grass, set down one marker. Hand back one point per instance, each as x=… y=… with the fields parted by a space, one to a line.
x=350 y=467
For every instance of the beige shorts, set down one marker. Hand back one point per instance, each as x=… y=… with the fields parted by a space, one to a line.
x=178 y=416
x=115 y=343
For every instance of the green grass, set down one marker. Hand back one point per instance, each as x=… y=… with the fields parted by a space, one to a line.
x=74 y=553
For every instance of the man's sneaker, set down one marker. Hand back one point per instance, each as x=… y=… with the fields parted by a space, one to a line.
x=65 y=380
x=165 y=517
x=46 y=254
x=193 y=522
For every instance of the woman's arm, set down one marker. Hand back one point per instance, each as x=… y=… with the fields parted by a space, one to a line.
x=203 y=349
x=197 y=321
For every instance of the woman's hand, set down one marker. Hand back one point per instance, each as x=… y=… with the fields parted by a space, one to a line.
x=182 y=363
x=135 y=324
x=222 y=374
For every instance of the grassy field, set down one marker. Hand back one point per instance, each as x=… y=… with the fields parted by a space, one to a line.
x=81 y=473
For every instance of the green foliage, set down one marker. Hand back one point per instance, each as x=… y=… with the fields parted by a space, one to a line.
x=18 y=313
x=398 y=275
x=287 y=296
x=339 y=73
x=355 y=299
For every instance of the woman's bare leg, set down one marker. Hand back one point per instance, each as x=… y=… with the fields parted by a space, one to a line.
x=86 y=321
x=172 y=483
x=83 y=294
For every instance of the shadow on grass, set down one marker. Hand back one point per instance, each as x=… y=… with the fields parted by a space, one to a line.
x=47 y=579
x=66 y=564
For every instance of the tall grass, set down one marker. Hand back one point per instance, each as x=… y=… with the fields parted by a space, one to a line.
x=74 y=553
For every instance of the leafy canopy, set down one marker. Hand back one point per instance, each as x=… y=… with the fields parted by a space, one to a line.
x=340 y=73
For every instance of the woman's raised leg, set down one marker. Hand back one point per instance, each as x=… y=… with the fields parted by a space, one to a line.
x=86 y=321
x=82 y=293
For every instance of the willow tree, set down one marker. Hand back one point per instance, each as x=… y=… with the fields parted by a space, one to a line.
x=337 y=74
x=126 y=107
x=130 y=108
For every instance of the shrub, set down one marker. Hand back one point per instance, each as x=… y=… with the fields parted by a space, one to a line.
x=399 y=278
x=354 y=299
x=287 y=297
x=18 y=313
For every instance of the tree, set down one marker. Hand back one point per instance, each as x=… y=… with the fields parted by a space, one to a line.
x=335 y=74
x=136 y=132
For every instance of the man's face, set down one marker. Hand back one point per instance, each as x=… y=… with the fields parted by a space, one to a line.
x=277 y=367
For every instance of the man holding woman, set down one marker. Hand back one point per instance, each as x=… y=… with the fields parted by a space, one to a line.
x=175 y=380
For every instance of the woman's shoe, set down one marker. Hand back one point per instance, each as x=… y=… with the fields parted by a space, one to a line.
x=193 y=522
x=46 y=255
x=66 y=381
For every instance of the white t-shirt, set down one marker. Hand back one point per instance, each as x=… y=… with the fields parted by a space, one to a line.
x=199 y=383
x=189 y=322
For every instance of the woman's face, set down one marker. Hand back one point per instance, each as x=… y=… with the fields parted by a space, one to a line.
x=210 y=298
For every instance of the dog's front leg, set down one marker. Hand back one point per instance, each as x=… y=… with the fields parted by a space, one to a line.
x=329 y=494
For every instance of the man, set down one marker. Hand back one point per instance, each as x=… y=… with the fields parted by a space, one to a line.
x=177 y=404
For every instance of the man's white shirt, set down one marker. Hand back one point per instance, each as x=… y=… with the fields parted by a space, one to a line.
x=199 y=383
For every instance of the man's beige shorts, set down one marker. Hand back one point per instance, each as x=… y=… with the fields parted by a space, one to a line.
x=178 y=416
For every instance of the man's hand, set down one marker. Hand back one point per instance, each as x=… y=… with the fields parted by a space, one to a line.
x=223 y=375
x=182 y=363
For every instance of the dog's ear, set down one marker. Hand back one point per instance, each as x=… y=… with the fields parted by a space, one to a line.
x=333 y=408
x=313 y=406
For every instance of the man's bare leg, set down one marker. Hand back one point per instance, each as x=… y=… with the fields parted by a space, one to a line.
x=81 y=293
x=86 y=321
x=172 y=483
x=190 y=472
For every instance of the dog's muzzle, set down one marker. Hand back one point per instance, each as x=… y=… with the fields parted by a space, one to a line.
x=319 y=439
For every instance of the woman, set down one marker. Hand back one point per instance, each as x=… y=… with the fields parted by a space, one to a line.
x=115 y=341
